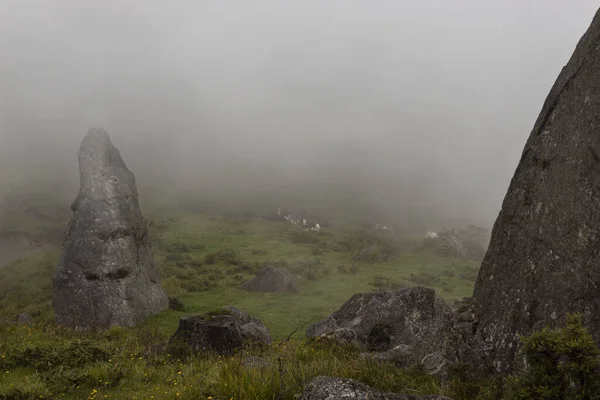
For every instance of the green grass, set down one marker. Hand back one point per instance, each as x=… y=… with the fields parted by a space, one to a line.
x=203 y=259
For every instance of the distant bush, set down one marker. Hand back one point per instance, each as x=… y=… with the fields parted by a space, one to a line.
x=210 y=258
x=561 y=364
x=181 y=247
x=310 y=269
x=384 y=284
x=424 y=278
x=316 y=251
x=468 y=273
x=191 y=263
x=304 y=237
x=369 y=246
x=372 y=254
x=229 y=256
x=448 y=272
x=259 y=252
x=225 y=256
x=174 y=257
x=352 y=270
x=446 y=287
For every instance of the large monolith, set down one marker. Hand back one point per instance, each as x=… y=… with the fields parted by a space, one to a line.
x=543 y=261
x=106 y=273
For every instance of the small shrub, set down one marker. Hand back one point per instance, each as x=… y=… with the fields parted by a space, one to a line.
x=424 y=278
x=310 y=269
x=181 y=247
x=210 y=258
x=189 y=263
x=259 y=252
x=316 y=251
x=446 y=287
x=343 y=270
x=468 y=273
x=176 y=257
x=449 y=273
x=229 y=256
x=561 y=364
x=384 y=284
x=352 y=270
x=372 y=254
x=304 y=237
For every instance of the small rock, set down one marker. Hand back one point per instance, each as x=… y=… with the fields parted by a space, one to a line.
x=434 y=364
x=24 y=319
x=250 y=327
x=272 y=279
x=202 y=333
x=176 y=304
x=330 y=388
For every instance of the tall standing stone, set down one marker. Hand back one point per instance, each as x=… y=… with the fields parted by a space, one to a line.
x=106 y=273
x=543 y=261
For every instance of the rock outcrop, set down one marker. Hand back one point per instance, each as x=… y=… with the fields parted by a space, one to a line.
x=251 y=328
x=222 y=331
x=272 y=279
x=543 y=260
x=106 y=274
x=330 y=388
x=409 y=323
x=206 y=333
x=24 y=319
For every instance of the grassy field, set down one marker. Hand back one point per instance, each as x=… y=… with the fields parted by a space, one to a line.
x=203 y=259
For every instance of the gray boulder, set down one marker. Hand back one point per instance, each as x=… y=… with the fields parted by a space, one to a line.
x=330 y=388
x=106 y=274
x=206 y=333
x=251 y=328
x=380 y=322
x=223 y=331
x=272 y=279
x=542 y=262
x=24 y=319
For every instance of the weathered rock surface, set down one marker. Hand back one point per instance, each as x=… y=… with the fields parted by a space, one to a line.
x=223 y=332
x=379 y=322
x=176 y=304
x=106 y=274
x=204 y=333
x=251 y=328
x=543 y=259
x=272 y=279
x=401 y=356
x=330 y=388
x=24 y=319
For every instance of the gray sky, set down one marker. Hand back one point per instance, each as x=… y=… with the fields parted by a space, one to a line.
x=422 y=102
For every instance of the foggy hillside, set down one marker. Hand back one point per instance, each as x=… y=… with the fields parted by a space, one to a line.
x=408 y=108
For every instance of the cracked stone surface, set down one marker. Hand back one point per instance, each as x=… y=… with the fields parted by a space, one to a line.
x=330 y=388
x=106 y=273
x=413 y=318
x=543 y=258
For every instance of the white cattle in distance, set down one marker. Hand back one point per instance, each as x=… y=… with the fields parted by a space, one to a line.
x=431 y=235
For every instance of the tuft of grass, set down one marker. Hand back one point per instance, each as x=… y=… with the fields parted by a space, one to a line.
x=116 y=363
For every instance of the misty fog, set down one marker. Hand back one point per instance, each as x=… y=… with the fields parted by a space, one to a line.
x=411 y=107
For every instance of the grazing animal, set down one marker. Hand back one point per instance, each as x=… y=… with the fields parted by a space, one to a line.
x=431 y=235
